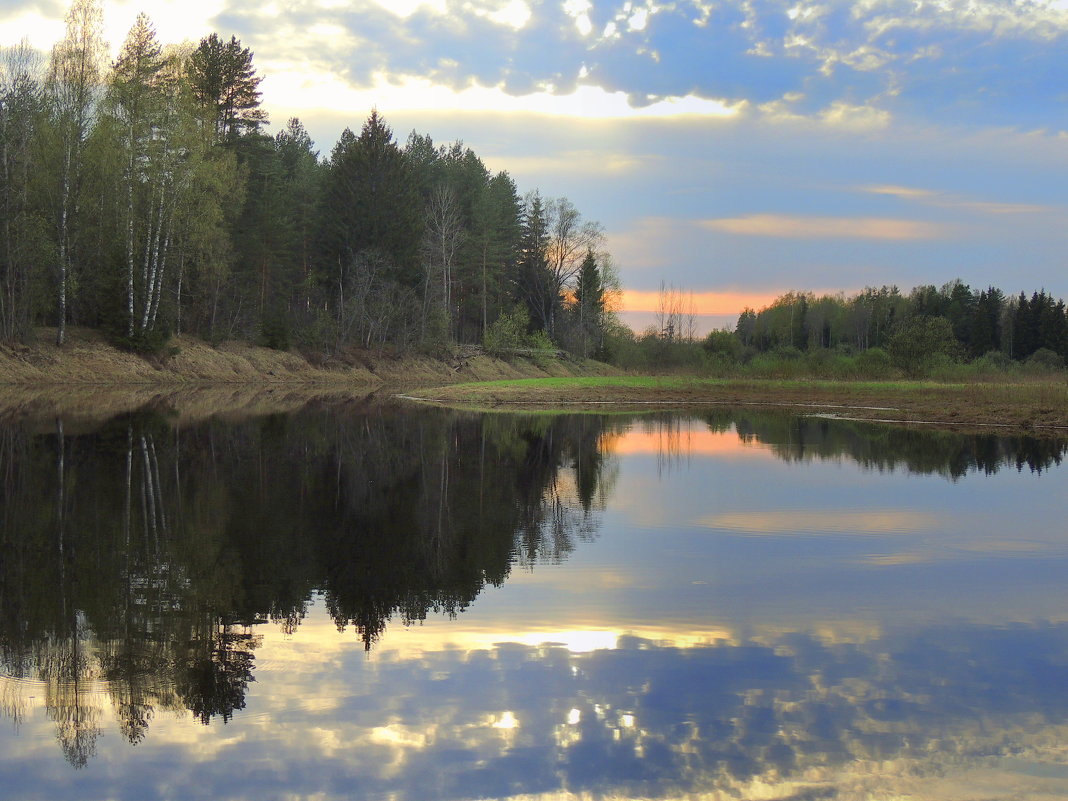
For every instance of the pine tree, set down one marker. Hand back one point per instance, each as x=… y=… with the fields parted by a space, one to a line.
x=224 y=80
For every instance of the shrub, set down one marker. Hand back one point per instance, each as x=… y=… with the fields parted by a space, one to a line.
x=873 y=363
x=723 y=345
x=1045 y=359
x=917 y=343
x=993 y=361
x=508 y=332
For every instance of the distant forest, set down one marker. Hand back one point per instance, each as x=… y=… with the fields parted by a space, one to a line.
x=954 y=321
x=143 y=198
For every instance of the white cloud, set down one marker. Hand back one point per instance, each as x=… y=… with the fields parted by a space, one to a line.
x=514 y=14
x=854 y=118
x=293 y=90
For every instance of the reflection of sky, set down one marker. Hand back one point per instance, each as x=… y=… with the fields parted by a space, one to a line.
x=935 y=711
x=741 y=625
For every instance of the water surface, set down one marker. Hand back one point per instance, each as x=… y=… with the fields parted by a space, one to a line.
x=378 y=601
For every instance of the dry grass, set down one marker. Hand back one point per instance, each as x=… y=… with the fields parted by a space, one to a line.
x=89 y=380
x=1032 y=407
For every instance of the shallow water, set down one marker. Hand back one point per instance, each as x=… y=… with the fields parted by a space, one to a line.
x=380 y=601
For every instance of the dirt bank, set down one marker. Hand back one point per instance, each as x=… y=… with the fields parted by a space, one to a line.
x=90 y=379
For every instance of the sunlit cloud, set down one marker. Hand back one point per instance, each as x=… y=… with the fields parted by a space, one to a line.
x=301 y=91
x=802 y=227
x=405 y=8
x=949 y=200
x=585 y=162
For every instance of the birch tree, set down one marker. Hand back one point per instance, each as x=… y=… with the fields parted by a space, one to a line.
x=74 y=80
x=444 y=234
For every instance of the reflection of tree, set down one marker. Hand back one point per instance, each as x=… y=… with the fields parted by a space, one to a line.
x=67 y=669
x=884 y=448
x=217 y=671
x=162 y=546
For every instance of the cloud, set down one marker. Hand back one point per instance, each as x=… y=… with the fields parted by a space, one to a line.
x=850 y=65
x=953 y=201
x=801 y=227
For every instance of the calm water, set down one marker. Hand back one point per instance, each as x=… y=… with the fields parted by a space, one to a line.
x=376 y=601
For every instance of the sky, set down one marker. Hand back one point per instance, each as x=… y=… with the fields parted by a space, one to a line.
x=732 y=150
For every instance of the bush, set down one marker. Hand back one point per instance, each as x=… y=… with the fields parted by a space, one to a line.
x=873 y=363
x=723 y=345
x=917 y=344
x=993 y=361
x=1045 y=359
x=508 y=332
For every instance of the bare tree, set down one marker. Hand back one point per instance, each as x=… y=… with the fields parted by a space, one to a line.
x=676 y=314
x=570 y=239
x=444 y=235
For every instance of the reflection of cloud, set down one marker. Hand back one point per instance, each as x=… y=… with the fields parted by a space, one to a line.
x=876 y=521
x=798 y=227
x=939 y=710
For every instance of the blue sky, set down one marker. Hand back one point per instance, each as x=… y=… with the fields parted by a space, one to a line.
x=733 y=149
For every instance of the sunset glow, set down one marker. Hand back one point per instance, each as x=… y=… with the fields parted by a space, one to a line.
x=703 y=302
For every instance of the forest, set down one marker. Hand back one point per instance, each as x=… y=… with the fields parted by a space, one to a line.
x=144 y=198
x=952 y=331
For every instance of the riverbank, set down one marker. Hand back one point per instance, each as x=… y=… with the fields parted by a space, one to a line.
x=1038 y=406
x=90 y=379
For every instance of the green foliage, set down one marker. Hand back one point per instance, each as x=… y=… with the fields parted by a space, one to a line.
x=993 y=360
x=274 y=330
x=873 y=363
x=539 y=340
x=1045 y=359
x=508 y=333
x=144 y=198
x=724 y=345
x=916 y=344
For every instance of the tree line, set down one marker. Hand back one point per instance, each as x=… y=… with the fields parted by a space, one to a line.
x=954 y=321
x=144 y=198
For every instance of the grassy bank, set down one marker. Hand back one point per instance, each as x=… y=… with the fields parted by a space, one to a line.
x=1033 y=406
